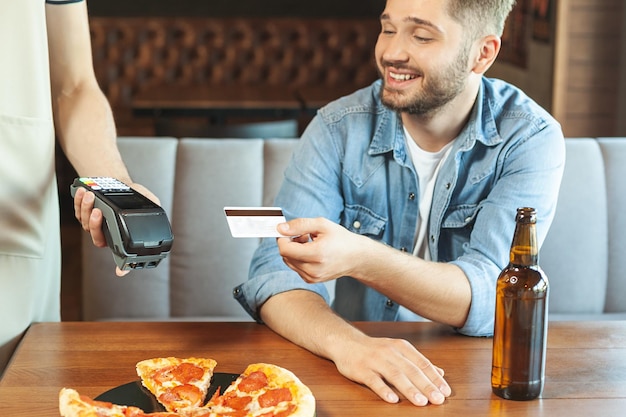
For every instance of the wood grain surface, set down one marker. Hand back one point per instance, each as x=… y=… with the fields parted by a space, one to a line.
x=585 y=368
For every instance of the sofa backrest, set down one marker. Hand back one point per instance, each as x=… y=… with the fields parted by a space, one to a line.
x=614 y=154
x=196 y=178
x=579 y=232
x=582 y=252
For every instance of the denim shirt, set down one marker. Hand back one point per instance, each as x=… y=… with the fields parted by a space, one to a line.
x=352 y=166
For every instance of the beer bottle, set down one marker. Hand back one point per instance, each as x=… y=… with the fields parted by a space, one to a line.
x=520 y=328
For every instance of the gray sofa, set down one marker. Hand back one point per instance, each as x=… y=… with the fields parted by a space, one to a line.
x=196 y=178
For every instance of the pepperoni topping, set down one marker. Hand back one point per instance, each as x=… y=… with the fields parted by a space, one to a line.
x=183 y=373
x=215 y=399
x=274 y=396
x=235 y=402
x=187 y=393
x=253 y=382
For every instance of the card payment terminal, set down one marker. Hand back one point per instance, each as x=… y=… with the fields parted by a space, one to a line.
x=136 y=229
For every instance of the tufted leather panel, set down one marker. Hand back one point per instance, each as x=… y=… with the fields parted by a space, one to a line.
x=132 y=54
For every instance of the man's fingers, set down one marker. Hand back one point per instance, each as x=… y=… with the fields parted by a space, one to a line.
x=302 y=226
x=420 y=386
x=428 y=378
x=393 y=368
x=95 y=228
x=384 y=391
x=78 y=200
x=120 y=273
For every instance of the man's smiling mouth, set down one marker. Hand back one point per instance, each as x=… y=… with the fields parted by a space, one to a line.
x=401 y=77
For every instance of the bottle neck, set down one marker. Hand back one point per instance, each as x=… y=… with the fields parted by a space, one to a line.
x=524 y=250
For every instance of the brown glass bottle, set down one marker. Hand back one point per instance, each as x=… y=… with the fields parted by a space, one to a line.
x=520 y=329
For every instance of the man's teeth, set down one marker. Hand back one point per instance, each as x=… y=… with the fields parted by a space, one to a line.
x=401 y=77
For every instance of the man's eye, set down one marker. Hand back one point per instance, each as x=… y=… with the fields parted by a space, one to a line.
x=422 y=39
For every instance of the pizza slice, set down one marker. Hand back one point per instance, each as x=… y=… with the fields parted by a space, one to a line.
x=72 y=404
x=177 y=383
x=264 y=390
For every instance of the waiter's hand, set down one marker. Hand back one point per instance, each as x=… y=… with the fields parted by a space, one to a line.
x=91 y=218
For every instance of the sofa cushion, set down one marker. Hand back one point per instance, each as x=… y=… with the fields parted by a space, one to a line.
x=206 y=262
x=614 y=153
x=575 y=252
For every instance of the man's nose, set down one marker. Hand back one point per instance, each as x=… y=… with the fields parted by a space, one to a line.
x=395 y=49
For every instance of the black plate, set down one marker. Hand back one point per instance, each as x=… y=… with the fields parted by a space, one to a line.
x=135 y=394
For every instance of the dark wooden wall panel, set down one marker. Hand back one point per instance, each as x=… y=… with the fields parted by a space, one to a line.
x=588 y=74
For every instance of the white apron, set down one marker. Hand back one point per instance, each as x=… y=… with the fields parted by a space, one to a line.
x=30 y=253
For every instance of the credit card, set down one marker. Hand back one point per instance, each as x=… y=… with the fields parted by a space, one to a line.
x=254 y=221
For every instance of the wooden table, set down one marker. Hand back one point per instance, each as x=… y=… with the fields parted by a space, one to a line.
x=585 y=370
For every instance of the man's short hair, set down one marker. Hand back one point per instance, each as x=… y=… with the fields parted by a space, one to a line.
x=481 y=17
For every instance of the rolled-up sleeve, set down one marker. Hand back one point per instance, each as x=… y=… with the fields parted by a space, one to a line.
x=531 y=177
x=268 y=278
x=310 y=189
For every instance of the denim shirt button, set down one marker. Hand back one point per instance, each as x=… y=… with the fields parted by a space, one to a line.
x=403 y=249
x=432 y=238
x=389 y=303
x=356 y=224
x=411 y=196
x=448 y=185
x=236 y=291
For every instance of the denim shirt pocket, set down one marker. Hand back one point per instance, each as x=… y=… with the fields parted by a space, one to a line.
x=456 y=229
x=362 y=220
x=461 y=216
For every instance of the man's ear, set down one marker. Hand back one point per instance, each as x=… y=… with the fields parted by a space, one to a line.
x=486 y=53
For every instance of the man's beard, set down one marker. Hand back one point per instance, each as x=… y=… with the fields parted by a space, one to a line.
x=438 y=90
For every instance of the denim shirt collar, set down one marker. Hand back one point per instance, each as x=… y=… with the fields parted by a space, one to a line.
x=480 y=127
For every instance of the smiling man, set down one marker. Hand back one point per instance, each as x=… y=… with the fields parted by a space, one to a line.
x=404 y=196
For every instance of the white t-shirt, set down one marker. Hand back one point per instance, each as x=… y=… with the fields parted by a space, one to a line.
x=426 y=166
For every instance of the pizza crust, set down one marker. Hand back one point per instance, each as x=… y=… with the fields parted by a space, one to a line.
x=72 y=404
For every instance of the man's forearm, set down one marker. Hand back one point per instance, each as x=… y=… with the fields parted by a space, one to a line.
x=86 y=131
x=379 y=363
x=304 y=318
x=438 y=291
